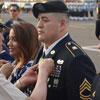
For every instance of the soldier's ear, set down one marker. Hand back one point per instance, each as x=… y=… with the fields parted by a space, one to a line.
x=63 y=23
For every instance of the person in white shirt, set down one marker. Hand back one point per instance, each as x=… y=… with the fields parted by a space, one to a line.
x=9 y=92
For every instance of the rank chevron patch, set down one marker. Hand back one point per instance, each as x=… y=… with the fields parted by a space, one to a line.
x=85 y=89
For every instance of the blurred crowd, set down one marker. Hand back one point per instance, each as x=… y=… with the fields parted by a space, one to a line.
x=77 y=10
x=81 y=11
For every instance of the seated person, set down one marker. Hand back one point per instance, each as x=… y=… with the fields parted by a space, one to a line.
x=4 y=51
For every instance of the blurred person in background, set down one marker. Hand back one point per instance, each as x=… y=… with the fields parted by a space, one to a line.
x=14 y=12
x=95 y=94
x=4 y=51
x=98 y=31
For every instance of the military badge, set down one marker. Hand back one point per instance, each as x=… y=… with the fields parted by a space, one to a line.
x=41 y=59
x=55 y=82
x=52 y=52
x=69 y=43
x=85 y=87
x=56 y=71
x=60 y=61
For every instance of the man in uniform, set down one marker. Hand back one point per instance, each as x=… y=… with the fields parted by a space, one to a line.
x=73 y=73
x=95 y=93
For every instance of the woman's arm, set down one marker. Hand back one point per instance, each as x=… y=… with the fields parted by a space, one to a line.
x=40 y=90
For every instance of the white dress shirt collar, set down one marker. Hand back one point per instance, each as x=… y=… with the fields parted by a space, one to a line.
x=53 y=45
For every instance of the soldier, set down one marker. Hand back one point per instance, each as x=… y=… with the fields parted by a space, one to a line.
x=86 y=8
x=73 y=73
x=91 y=8
x=95 y=94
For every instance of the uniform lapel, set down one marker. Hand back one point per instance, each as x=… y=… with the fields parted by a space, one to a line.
x=38 y=56
x=58 y=46
x=53 y=51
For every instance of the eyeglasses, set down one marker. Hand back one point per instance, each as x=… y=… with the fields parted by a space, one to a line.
x=13 y=10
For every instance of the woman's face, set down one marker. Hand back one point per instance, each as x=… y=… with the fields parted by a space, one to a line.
x=13 y=45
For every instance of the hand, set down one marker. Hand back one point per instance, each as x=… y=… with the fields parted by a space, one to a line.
x=46 y=66
x=6 y=69
x=2 y=62
x=29 y=77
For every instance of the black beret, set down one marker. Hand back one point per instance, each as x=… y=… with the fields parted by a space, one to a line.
x=49 y=7
x=97 y=32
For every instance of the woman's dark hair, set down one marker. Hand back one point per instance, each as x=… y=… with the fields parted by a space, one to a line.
x=27 y=37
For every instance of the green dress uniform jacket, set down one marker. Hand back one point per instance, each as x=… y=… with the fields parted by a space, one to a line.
x=73 y=73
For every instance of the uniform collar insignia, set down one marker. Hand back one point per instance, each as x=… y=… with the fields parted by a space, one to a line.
x=69 y=43
x=52 y=52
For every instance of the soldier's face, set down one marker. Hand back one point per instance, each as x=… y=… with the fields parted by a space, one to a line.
x=48 y=28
